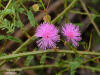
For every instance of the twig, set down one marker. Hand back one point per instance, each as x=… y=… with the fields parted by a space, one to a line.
x=24 y=44
x=42 y=4
x=33 y=67
x=64 y=11
x=90 y=42
x=47 y=51
x=92 y=59
x=48 y=66
x=82 y=13
x=90 y=17
x=8 y=4
x=66 y=14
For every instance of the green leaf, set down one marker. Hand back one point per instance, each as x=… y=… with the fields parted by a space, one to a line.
x=14 y=39
x=6 y=24
x=2 y=37
x=28 y=60
x=43 y=58
x=21 y=10
x=31 y=18
x=7 y=11
x=75 y=64
x=18 y=22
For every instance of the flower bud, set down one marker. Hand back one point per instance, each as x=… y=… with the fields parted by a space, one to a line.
x=47 y=18
x=35 y=7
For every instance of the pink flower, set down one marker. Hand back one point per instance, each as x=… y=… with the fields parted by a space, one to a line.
x=72 y=33
x=49 y=35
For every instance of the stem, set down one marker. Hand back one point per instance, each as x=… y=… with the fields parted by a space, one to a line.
x=47 y=51
x=48 y=66
x=33 y=67
x=90 y=42
x=64 y=11
x=92 y=59
x=42 y=4
x=8 y=4
x=90 y=17
x=81 y=13
x=48 y=4
x=66 y=14
x=26 y=34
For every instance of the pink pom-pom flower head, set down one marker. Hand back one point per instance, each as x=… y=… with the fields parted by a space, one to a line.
x=48 y=34
x=72 y=33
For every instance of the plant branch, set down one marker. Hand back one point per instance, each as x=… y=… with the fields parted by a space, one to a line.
x=42 y=4
x=90 y=17
x=8 y=4
x=33 y=67
x=82 y=13
x=48 y=66
x=64 y=11
x=24 y=44
x=47 y=51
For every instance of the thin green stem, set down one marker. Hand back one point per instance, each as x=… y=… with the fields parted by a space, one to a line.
x=66 y=14
x=90 y=42
x=22 y=27
x=42 y=4
x=1 y=4
x=49 y=66
x=92 y=59
x=8 y=4
x=24 y=44
x=90 y=68
x=25 y=32
x=65 y=3
x=64 y=11
x=33 y=67
x=81 y=13
x=90 y=17
x=47 y=51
